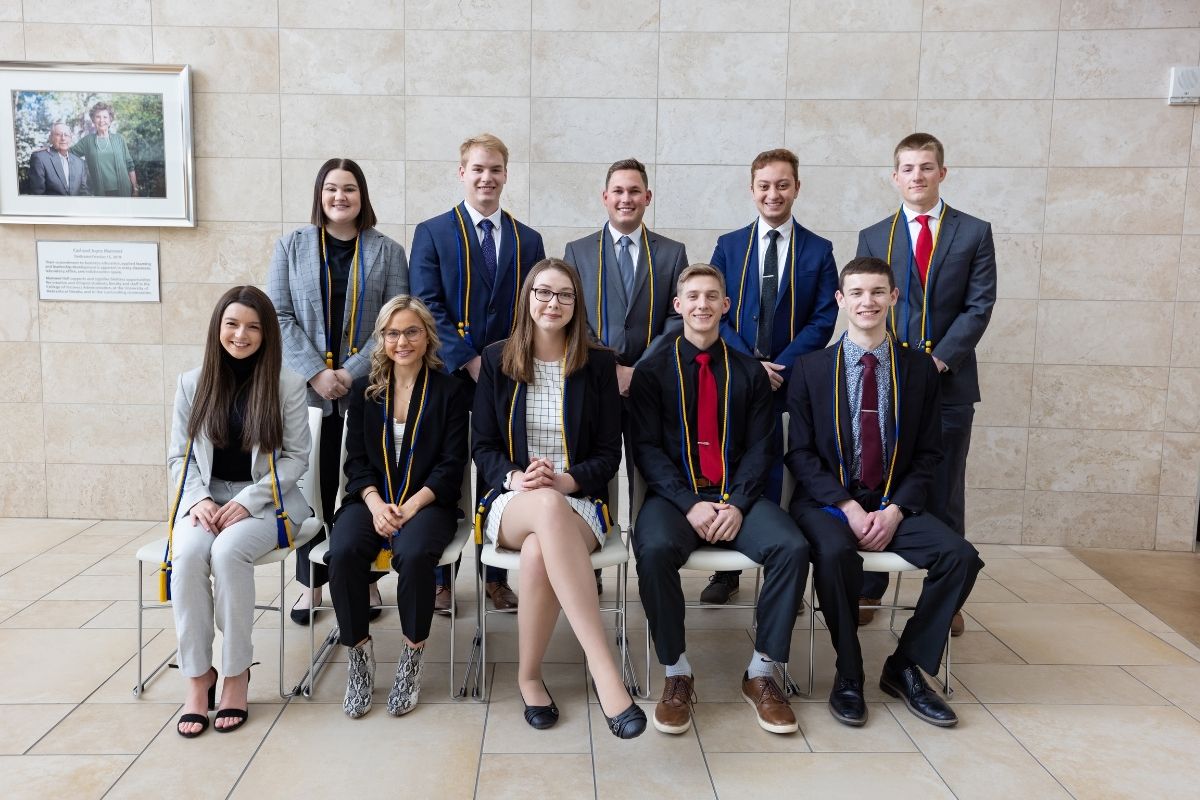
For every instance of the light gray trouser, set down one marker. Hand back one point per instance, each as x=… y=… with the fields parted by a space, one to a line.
x=229 y=558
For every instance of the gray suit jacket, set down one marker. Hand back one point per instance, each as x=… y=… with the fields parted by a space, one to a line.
x=294 y=286
x=625 y=326
x=46 y=174
x=256 y=498
x=961 y=290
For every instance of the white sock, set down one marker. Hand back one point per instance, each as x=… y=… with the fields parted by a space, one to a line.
x=760 y=666
x=680 y=667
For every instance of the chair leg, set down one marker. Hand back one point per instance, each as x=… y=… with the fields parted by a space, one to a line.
x=282 y=630
x=895 y=604
x=646 y=695
x=137 y=689
x=453 y=615
x=812 y=637
x=949 y=691
x=472 y=665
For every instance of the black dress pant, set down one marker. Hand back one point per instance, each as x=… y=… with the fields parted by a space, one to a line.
x=415 y=552
x=948 y=495
x=330 y=455
x=663 y=540
x=925 y=542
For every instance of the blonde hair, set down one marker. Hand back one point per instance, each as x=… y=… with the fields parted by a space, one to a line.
x=485 y=140
x=381 y=366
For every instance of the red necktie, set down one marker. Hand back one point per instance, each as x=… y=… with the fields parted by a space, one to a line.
x=706 y=421
x=924 y=247
x=870 y=443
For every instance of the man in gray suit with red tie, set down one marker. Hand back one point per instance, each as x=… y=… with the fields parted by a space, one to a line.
x=945 y=266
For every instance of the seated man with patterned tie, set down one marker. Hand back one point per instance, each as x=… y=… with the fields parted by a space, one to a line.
x=703 y=438
x=864 y=441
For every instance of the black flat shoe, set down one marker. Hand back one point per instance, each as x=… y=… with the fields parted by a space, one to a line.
x=629 y=724
x=300 y=615
x=200 y=719
x=240 y=714
x=540 y=717
x=846 y=701
x=909 y=685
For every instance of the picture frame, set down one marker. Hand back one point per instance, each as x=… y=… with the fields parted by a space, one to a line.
x=96 y=144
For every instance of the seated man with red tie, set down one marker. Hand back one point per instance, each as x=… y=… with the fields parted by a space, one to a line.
x=864 y=441
x=703 y=438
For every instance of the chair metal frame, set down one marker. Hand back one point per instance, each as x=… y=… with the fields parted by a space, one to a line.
x=310 y=484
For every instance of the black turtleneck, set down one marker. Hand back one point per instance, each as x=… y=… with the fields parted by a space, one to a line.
x=232 y=463
x=341 y=260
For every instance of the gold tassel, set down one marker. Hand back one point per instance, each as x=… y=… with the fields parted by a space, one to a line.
x=164 y=583
x=383 y=560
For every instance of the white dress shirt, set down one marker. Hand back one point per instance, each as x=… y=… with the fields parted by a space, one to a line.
x=914 y=227
x=497 y=230
x=781 y=247
x=635 y=244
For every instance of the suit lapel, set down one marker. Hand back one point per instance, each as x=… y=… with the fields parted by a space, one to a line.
x=787 y=268
x=520 y=444
x=945 y=239
x=56 y=162
x=749 y=299
x=506 y=251
x=478 y=271
x=573 y=393
x=311 y=266
x=642 y=271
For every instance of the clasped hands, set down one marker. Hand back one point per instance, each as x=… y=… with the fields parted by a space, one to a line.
x=213 y=518
x=331 y=384
x=715 y=522
x=540 y=474
x=873 y=529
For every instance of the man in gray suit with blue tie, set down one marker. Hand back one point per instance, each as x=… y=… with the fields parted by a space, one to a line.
x=56 y=170
x=629 y=275
x=945 y=267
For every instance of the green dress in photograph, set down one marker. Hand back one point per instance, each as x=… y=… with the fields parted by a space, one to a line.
x=108 y=164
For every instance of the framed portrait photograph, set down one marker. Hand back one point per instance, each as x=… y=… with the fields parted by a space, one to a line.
x=96 y=144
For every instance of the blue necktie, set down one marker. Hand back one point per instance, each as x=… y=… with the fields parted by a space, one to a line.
x=489 y=250
x=625 y=267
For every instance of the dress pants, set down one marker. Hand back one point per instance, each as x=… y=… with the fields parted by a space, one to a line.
x=925 y=542
x=663 y=540
x=948 y=496
x=415 y=552
x=228 y=558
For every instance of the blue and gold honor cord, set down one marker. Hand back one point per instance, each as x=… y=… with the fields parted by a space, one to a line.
x=843 y=471
x=387 y=443
x=737 y=311
x=463 y=325
x=685 y=434
x=925 y=294
x=358 y=282
x=602 y=294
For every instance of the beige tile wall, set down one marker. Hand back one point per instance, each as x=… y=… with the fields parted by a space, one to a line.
x=1052 y=113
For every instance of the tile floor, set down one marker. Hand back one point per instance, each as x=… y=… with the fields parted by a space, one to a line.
x=1066 y=687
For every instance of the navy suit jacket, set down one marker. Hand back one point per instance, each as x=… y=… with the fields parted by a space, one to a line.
x=805 y=308
x=437 y=272
x=812 y=449
x=592 y=417
x=961 y=289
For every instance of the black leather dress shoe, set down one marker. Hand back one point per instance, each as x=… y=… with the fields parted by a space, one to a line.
x=846 y=701
x=909 y=685
x=541 y=717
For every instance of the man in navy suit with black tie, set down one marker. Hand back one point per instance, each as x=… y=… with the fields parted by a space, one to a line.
x=781 y=278
x=945 y=267
x=467 y=265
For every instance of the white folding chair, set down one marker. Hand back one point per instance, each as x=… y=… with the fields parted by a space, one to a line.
x=614 y=553
x=152 y=553
x=320 y=554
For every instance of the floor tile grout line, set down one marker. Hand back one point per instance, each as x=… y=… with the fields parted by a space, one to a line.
x=282 y=707
x=924 y=755
x=487 y=713
x=1021 y=744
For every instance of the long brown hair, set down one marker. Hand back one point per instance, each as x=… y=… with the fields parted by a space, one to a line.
x=381 y=364
x=516 y=361
x=263 y=426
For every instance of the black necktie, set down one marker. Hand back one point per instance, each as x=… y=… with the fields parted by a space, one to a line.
x=766 y=305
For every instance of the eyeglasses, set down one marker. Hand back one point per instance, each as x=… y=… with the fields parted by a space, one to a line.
x=564 y=298
x=413 y=334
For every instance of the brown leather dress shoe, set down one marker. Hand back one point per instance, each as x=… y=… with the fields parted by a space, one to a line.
x=673 y=714
x=865 y=615
x=441 y=600
x=503 y=597
x=770 y=706
x=957 y=625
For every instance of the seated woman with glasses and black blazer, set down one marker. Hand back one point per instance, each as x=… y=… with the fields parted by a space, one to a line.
x=406 y=451
x=547 y=440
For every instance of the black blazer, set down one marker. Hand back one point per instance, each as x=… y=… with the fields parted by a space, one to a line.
x=657 y=437
x=592 y=417
x=441 y=452
x=812 y=448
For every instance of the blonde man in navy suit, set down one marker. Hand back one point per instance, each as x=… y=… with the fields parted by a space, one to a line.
x=781 y=278
x=467 y=267
x=945 y=266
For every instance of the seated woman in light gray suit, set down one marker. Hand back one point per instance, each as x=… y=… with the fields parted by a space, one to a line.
x=328 y=281
x=239 y=440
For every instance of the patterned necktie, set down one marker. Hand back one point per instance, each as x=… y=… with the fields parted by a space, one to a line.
x=625 y=267
x=707 y=437
x=766 y=305
x=924 y=247
x=489 y=250
x=870 y=442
